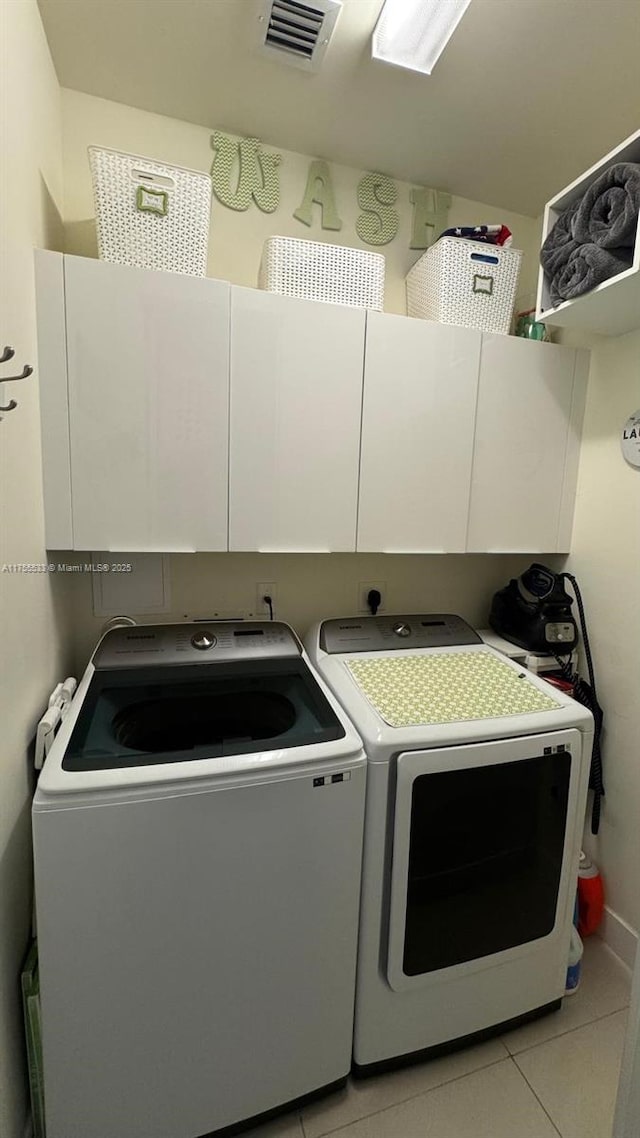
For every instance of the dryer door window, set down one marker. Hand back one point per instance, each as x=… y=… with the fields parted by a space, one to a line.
x=480 y=849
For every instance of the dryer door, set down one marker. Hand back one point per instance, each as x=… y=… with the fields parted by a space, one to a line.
x=485 y=840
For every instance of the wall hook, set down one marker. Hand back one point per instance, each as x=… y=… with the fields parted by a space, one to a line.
x=26 y=372
x=7 y=354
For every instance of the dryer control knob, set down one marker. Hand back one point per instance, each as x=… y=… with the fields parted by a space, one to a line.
x=402 y=629
x=203 y=640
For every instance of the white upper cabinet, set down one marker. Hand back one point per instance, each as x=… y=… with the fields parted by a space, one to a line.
x=420 y=388
x=184 y=414
x=54 y=400
x=296 y=394
x=530 y=408
x=148 y=375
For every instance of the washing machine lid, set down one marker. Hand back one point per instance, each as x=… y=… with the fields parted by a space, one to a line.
x=414 y=689
x=149 y=715
x=160 y=706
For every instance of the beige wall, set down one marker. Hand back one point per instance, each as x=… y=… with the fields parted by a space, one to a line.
x=236 y=239
x=31 y=621
x=606 y=562
x=313 y=586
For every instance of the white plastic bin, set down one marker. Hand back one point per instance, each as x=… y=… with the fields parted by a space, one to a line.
x=465 y=282
x=150 y=214
x=314 y=270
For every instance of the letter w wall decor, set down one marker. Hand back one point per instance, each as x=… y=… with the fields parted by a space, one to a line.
x=258 y=178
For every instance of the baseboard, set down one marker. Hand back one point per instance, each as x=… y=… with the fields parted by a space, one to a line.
x=619 y=936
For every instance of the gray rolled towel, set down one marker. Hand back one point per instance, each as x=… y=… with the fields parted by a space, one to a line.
x=608 y=212
x=559 y=243
x=587 y=266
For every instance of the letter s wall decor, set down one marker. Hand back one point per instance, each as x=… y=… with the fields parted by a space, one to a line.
x=378 y=224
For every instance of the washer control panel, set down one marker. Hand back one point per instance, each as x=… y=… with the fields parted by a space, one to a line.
x=204 y=640
x=377 y=633
x=165 y=644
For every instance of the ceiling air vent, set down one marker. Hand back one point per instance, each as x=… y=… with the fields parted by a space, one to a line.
x=297 y=32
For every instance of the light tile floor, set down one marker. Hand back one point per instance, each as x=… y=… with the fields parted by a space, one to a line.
x=557 y=1076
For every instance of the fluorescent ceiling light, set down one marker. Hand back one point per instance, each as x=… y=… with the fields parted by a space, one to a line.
x=414 y=33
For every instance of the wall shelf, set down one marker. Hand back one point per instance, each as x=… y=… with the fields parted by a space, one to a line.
x=614 y=306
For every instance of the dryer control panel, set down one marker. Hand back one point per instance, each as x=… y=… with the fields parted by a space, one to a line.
x=380 y=633
x=161 y=644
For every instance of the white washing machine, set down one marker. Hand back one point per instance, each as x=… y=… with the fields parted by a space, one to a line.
x=198 y=840
x=476 y=792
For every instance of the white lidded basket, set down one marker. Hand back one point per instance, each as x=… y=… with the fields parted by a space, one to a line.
x=465 y=282
x=313 y=270
x=150 y=214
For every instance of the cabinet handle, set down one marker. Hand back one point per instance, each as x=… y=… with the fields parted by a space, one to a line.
x=292 y=549
x=419 y=552
x=149 y=549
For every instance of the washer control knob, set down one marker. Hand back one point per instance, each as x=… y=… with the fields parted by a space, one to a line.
x=203 y=640
x=402 y=629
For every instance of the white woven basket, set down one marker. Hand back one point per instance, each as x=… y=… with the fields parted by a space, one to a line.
x=314 y=270
x=150 y=214
x=465 y=282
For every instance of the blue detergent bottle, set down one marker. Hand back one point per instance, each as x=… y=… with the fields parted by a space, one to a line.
x=576 y=949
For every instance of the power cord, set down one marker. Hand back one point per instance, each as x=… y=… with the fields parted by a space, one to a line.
x=585 y=693
x=373 y=600
x=267 y=600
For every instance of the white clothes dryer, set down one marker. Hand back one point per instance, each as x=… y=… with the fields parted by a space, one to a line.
x=476 y=792
x=198 y=839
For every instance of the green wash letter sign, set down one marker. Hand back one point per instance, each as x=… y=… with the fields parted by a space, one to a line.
x=319 y=191
x=430 y=209
x=257 y=174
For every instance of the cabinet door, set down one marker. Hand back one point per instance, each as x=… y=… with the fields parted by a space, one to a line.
x=296 y=392
x=148 y=373
x=417 y=435
x=526 y=413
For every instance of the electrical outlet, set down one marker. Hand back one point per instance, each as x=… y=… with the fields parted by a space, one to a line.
x=265 y=589
x=363 y=591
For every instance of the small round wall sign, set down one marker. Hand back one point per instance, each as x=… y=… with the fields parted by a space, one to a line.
x=630 y=439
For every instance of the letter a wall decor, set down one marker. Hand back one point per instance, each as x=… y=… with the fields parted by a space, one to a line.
x=319 y=191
